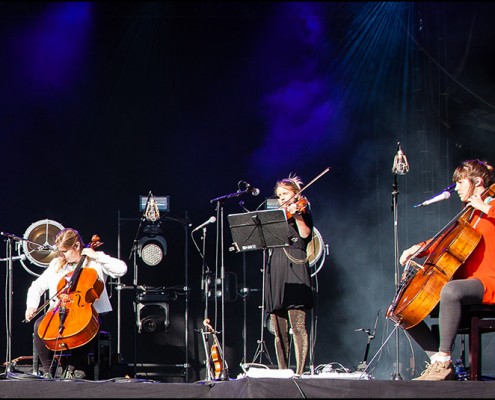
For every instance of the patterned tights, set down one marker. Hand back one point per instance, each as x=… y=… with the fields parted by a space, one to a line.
x=297 y=320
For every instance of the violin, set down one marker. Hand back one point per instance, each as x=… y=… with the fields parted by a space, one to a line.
x=301 y=204
x=215 y=351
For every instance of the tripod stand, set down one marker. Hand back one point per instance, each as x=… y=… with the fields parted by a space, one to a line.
x=260 y=230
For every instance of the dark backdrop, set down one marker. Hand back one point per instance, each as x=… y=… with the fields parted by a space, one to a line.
x=102 y=102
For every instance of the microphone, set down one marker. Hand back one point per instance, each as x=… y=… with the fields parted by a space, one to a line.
x=47 y=246
x=442 y=196
x=450 y=188
x=11 y=236
x=210 y=221
x=22 y=257
x=152 y=213
x=254 y=191
x=401 y=166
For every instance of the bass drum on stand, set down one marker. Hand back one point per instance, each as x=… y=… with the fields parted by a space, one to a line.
x=38 y=243
x=317 y=251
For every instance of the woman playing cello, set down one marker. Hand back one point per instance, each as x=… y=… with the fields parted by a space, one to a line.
x=472 y=283
x=71 y=251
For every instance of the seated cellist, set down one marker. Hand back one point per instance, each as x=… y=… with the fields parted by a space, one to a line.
x=71 y=249
x=472 y=283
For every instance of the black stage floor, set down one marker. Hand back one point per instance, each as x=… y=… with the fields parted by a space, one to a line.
x=246 y=387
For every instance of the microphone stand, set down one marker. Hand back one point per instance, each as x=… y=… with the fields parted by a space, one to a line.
x=220 y=262
x=10 y=290
x=8 y=363
x=400 y=167
x=395 y=193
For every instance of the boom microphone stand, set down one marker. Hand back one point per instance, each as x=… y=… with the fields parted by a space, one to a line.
x=10 y=290
x=220 y=255
x=400 y=167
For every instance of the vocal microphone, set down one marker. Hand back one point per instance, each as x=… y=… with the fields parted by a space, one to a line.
x=401 y=166
x=210 y=221
x=22 y=257
x=50 y=247
x=11 y=236
x=442 y=196
x=254 y=191
x=450 y=188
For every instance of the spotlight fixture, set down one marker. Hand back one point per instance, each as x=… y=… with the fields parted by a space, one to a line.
x=152 y=246
x=152 y=249
x=152 y=306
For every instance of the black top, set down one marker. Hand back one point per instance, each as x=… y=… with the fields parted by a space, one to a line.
x=288 y=282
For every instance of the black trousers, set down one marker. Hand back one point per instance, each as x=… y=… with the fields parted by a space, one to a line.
x=78 y=358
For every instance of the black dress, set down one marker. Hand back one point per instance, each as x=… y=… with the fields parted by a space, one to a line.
x=288 y=282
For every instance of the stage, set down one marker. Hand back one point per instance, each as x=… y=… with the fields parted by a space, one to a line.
x=245 y=387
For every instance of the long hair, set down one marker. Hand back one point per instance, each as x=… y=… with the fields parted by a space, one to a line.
x=67 y=238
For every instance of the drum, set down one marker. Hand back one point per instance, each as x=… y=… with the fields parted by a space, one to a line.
x=39 y=240
x=316 y=251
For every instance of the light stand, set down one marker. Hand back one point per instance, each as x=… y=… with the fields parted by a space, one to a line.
x=185 y=224
x=400 y=167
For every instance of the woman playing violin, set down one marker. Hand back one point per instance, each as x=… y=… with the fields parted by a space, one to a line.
x=70 y=248
x=472 y=283
x=288 y=293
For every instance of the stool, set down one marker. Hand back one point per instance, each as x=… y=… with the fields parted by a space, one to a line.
x=101 y=358
x=476 y=320
x=98 y=361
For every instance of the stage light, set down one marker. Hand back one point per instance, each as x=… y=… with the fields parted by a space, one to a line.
x=152 y=249
x=152 y=246
x=153 y=323
x=152 y=309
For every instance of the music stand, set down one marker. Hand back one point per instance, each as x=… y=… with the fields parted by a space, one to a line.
x=259 y=230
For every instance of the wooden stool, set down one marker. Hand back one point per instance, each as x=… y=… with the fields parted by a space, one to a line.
x=476 y=320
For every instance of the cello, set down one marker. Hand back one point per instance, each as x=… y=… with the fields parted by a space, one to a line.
x=74 y=321
x=418 y=293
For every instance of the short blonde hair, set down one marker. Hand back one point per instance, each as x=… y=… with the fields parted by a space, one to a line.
x=293 y=182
